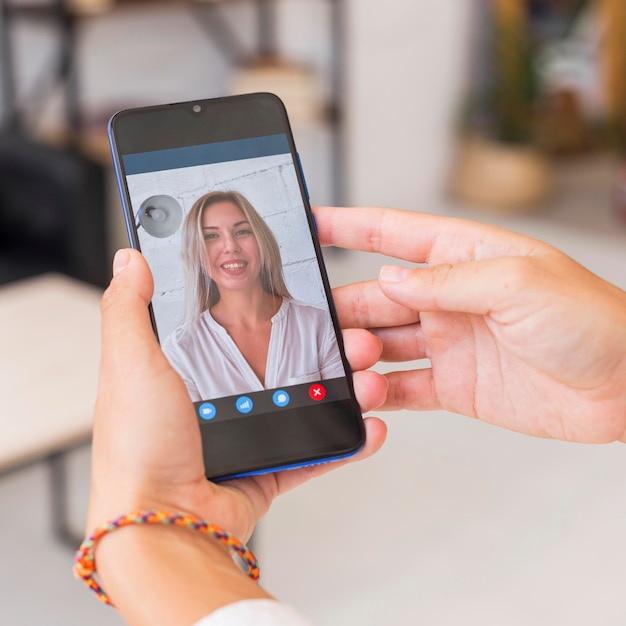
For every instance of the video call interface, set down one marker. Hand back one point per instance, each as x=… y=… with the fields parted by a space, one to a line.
x=304 y=366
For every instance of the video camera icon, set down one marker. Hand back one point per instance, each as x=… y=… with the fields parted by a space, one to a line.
x=207 y=411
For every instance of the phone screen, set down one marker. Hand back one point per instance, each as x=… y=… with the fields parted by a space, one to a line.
x=215 y=199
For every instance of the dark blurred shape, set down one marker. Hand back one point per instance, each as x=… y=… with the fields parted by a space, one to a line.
x=514 y=86
x=52 y=213
x=560 y=126
x=550 y=74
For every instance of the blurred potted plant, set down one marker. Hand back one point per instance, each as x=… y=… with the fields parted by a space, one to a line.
x=499 y=165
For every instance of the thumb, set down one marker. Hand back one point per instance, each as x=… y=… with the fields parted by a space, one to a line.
x=126 y=321
x=468 y=287
x=131 y=273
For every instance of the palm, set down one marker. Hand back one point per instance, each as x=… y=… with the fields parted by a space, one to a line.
x=475 y=374
x=514 y=370
x=239 y=504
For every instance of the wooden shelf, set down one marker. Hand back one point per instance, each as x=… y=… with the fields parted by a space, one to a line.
x=65 y=17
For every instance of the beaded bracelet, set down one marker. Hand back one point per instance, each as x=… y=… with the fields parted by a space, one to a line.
x=85 y=563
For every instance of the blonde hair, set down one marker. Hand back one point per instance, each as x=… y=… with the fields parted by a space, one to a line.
x=201 y=290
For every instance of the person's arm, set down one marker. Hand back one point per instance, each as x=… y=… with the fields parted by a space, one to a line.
x=517 y=333
x=147 y=455
x=162 y=575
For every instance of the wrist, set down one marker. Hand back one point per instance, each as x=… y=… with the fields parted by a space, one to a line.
x=108 y=503
x=169 y=575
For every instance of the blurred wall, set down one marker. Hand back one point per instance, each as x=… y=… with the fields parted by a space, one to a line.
x=407 y=62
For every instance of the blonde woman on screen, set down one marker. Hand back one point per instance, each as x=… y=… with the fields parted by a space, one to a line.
x=242 y=330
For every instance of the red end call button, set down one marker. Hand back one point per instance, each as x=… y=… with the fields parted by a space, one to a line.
x=317 y=392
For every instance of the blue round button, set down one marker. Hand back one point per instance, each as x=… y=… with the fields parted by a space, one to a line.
x=281 y=398
x=244 y=404
x=207 y=411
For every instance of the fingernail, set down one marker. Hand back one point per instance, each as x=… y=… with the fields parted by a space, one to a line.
x=120 y=261
x=393 y=273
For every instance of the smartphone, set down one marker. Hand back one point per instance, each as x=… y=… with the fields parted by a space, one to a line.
x=215 y=199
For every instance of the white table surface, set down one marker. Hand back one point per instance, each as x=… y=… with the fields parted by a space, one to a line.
x=49 y=356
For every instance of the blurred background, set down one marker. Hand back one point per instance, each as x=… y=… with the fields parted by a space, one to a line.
x=505 y=111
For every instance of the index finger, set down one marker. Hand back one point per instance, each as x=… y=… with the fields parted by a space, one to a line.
x=412 y=236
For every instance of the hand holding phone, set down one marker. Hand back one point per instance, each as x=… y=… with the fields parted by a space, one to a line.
x=147 y=455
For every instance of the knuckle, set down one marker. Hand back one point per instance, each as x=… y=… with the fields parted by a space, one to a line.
x=520 y=273
x=440 y=274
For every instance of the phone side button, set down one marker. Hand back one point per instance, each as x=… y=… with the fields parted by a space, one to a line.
x=306 y=188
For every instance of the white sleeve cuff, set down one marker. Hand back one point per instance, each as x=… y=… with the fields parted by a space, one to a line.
x=254 y=613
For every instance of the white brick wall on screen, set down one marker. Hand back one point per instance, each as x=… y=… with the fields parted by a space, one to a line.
x=270 y=184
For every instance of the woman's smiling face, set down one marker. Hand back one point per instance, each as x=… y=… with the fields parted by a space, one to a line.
x=232 y=249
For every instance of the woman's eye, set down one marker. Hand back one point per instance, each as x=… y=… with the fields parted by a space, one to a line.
x=210 y=236
x=243 y=232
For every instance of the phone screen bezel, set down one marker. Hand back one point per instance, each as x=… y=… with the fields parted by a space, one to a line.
x=289 y=438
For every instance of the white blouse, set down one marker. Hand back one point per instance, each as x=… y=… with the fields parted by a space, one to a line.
x=302 y=349
x=259 y=612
